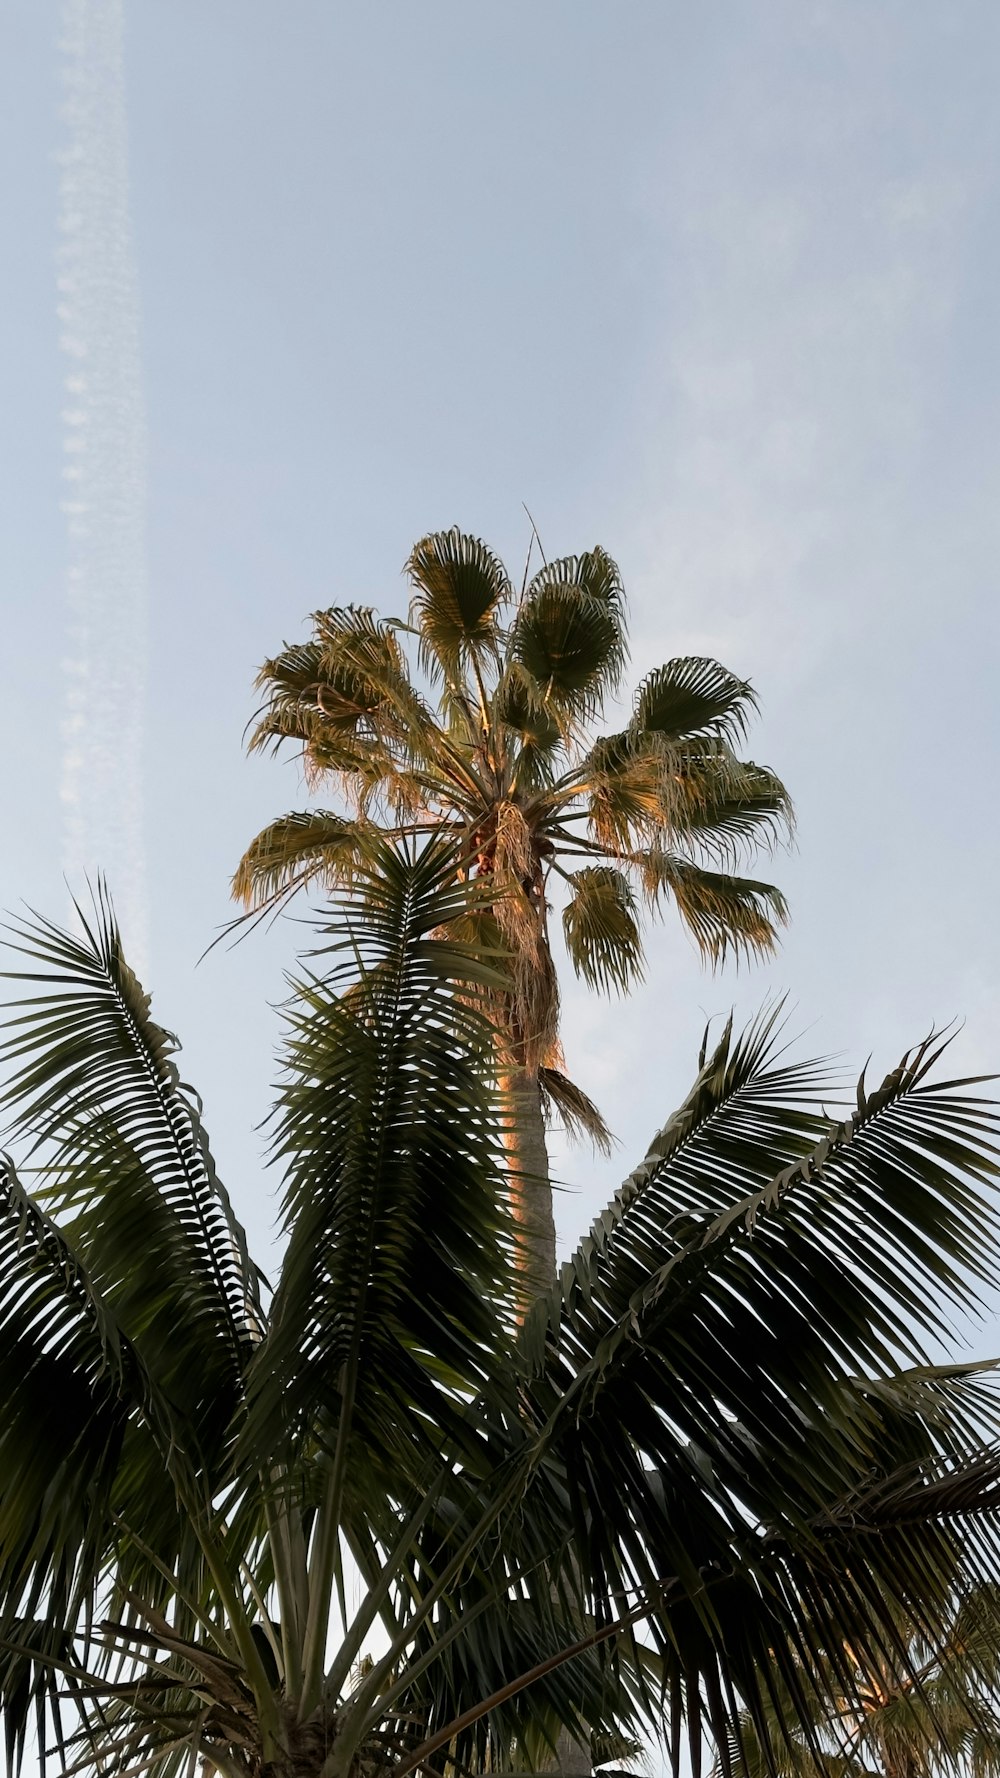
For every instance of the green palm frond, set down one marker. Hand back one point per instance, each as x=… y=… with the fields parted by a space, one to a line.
x=96 y=1093
x=743 y=809
x=570 y=634
x=313 y=844
x=693 y=697
x=83 y=1424
x=728 y=1341
x=396 y=1258
x=520 y=709
x=344 y=694
x=937 y=1712
x=460 y=589
x=724 y=914
x=563 y=1099
x=600 y=928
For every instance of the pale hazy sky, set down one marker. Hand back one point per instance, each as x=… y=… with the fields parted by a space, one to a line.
x=714 y=285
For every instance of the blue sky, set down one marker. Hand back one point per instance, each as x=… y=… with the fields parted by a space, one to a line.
x=714 y=286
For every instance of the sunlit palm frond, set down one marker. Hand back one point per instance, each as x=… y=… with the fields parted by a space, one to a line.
x=313 y=844
x=737 y=812
x=692 y=697
x=570 y=634
x=346 y=692
x=601 y=930
x=460 y=589
x=724 y=914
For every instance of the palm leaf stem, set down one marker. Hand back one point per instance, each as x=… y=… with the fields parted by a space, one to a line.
x=169 y=1575
x=366 y=1704
x=291 y=1581
x=381 y=1580
x=324 y=1557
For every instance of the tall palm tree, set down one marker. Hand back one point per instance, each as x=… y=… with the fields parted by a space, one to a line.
x=934 y=1714
x=647 y=1496
x=503 y=758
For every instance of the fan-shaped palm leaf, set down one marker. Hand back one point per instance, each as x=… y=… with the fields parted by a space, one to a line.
x=601 y=930
x=692 y=697
x=459 y=591
x=569 y=634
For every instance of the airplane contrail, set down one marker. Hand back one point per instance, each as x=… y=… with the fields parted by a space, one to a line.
x=104 y=471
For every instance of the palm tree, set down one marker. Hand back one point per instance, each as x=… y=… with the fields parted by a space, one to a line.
x=370 y=1523
x=506 y=763
x=936 y=1713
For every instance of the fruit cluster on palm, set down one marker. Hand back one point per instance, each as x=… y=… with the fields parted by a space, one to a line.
x=374 y=1523
x=501 y=757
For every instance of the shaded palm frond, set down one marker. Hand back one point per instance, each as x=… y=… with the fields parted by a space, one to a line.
x=95 y=1090
x=81 y=1419
x=387 y=1298
x=728 y=1345
x=562 y=1098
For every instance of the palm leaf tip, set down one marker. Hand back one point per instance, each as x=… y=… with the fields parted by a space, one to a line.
x=295 y=850
x=581 y=1117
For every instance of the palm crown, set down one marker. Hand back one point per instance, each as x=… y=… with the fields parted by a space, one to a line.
x=689 y=1475
x=507 y=765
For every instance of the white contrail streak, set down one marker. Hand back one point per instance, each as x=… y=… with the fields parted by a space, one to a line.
x=104 y=473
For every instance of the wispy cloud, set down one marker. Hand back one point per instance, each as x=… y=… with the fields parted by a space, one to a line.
x=104 y=471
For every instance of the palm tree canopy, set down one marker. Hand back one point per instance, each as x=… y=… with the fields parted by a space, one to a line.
x=715 y=1451
x=502 y=757
x=937 y=1713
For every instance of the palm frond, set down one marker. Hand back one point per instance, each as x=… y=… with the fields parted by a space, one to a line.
x=459 y=591
x=396 y=1261
x=723 y=913
x=348 y=698
x=520 y=709
x=737 y=812
x=297 y=849
x=693 y=697
x=96 y=1093
x=81 y=1419
x=570 y=635
x=600 y=928
x=728 y=1342
x=562 y=1098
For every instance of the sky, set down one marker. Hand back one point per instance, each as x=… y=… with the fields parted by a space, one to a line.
x=713 y=286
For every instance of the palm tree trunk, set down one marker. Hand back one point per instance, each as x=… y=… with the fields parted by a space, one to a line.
x=531 y=1189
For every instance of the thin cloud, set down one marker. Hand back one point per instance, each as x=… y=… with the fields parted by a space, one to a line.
x=104 y=472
